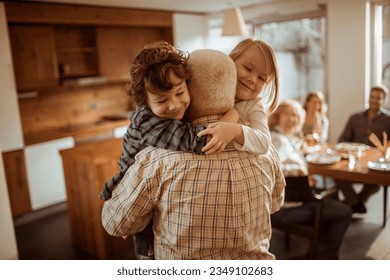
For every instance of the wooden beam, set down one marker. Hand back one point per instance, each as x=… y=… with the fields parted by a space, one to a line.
x=42 y=13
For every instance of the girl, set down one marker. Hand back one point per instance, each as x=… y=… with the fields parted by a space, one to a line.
x=257 y=71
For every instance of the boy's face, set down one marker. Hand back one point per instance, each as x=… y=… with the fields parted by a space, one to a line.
x=172 y=104
x=251 y=74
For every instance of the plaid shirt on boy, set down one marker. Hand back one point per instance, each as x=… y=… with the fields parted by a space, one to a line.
x=146 y=129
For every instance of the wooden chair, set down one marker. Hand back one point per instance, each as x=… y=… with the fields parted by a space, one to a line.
x=299 y=190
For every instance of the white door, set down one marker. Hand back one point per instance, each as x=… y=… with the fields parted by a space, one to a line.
x=45 y=173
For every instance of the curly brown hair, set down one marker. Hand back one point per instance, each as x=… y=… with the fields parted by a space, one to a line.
x=151 y=68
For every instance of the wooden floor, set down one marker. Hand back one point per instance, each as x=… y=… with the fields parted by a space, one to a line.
x=45 y=235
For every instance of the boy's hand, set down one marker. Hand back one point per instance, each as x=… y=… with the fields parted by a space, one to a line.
x=221 y=134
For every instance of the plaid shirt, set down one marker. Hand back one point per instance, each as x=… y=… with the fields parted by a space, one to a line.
x=146 y=129
x=203 y=207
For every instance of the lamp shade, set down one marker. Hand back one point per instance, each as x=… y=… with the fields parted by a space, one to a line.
x=234 y=24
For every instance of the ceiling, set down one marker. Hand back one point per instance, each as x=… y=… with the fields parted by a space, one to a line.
x=193 y=6
x=252 y=10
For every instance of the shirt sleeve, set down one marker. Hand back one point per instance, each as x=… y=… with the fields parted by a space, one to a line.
x=280 y=183
x=170 y=134
x=130 y=147
x=130 y=209
x=257 y=139
x=325 y=129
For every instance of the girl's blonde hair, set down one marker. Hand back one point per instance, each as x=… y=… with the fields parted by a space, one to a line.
x=272 y=97
x=274 y=118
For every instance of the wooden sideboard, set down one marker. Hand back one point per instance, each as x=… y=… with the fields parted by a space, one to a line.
x=87 y=167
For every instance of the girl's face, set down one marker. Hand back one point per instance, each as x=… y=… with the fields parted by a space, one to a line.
x=376 y=100
x=288 y=119
x=314 y=104
x=172 y=104
x=252 y=74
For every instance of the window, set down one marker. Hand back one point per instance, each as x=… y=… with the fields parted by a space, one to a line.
x=300 y=48
x=385 y=73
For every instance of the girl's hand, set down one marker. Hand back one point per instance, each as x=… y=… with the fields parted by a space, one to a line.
x=221 y=134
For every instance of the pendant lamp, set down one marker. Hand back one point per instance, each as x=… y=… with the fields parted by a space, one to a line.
x=234 y=24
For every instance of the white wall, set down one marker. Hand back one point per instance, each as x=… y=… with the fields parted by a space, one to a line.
x=11 y=136
x=8 y=249
x=189 y=31
x=347 y=59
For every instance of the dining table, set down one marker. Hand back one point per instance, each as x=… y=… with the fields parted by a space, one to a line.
x=360 y=173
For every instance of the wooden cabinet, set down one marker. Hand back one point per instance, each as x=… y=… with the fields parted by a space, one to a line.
x=118 y=45
x=34 y=56
x=45 y=56
x=15 y=172
x=87 y=167
x=54 y=43
x=76 y=51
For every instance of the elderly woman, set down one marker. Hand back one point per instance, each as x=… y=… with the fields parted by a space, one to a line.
x=284 y=123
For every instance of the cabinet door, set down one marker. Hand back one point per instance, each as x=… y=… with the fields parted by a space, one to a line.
x=34 y=57
x=15 y=172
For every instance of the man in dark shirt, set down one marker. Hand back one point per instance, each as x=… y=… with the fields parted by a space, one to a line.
x=360 y=125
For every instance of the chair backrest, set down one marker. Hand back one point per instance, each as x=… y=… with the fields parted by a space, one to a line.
x=298 y=189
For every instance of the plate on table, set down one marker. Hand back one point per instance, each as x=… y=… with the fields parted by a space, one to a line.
x=379 y=165
x=323 y=158
x=351 y=146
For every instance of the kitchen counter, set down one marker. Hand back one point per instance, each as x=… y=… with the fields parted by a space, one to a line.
x=78 y=131
x=86 y=168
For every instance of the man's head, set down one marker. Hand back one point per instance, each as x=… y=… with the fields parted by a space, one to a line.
x=212 y=84
x=378 y=96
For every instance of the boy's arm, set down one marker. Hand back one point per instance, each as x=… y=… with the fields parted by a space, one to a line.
x=171 y=134
x=130 y=147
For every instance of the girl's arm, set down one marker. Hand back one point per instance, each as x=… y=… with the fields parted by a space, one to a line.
x=255 y=128
x=253 y=136
x=221 y=133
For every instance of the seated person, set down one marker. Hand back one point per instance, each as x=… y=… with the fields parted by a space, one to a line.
x=316 y=122
x=360 y=125
x=284 y=123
